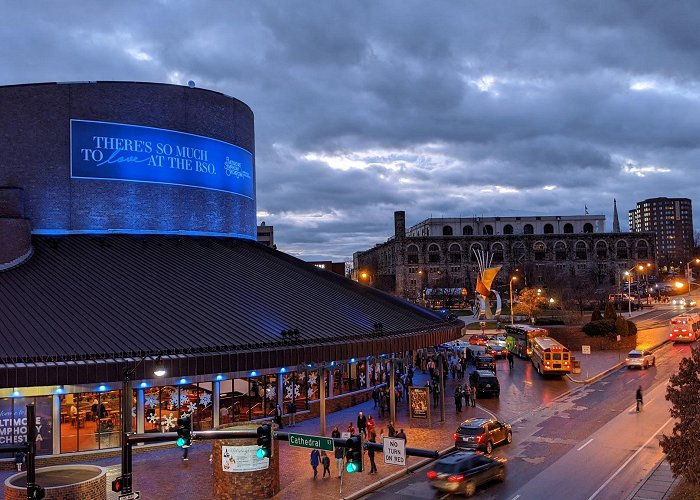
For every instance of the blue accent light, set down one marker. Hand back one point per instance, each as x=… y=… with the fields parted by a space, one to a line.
x=352 y=360
x=332 y=363
x=59 y=390
x=120 y=152
x=102 y=388
x=283 y=370
x=253 y=374
x=16 y=394
x=219 y=377
x=182 y=381
x=143 y=384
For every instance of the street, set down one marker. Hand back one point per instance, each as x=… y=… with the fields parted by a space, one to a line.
x=591 y=443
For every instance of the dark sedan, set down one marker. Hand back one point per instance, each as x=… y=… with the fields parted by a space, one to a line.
x=463 y=472
x=497 y=351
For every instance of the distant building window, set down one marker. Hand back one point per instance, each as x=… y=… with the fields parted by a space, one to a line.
x=488 y=229
x=412 y=254
x=467 y=231
x=622 y=250
x=507 y=229
x=581 y=250
x=540 y=250
x=433 y=253
x=548 y=229
x=455 y=254
x=497 y=250
x=588 y=227
x=560 y=250
x=568 y=228
x=518 y=251
x=601 y=250
x=447 y=230
x=528 y=229
x=642 y=250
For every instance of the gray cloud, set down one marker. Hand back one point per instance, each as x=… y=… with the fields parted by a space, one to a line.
x=439 y=108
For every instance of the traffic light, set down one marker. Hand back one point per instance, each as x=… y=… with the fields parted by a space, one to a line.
x=353 y=453
x=117 y=485
x=264 y=441
x=183 y=433
x=36 y=492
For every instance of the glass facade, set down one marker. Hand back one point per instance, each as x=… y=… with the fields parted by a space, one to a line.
x=13 y=422
x=164 y=405
x=90 y=421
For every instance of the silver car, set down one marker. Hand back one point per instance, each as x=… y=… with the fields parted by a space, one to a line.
x=640 y=359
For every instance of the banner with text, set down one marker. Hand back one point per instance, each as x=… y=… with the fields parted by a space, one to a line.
x=116 y=151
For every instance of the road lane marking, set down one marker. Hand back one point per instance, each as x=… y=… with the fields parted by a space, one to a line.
x=515 y=497
x=585 y=444
x=629 y=460
x=485 y=410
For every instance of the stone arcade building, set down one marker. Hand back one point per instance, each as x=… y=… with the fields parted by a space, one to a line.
x=440 y=253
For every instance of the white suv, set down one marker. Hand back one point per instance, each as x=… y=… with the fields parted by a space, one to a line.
x=640 y=359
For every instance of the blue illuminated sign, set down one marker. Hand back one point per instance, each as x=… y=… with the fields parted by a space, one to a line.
x=115 y=151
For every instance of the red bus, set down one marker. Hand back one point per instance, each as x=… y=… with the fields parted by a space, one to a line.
x=684 y=328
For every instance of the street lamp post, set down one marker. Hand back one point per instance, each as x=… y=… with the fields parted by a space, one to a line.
x=510 y=283
x=628 y=273
x=128 y=373
x=687 y=272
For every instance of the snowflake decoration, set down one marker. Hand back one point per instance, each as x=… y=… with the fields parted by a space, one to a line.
x=169 y=421
x=191 y=407
x=184 y=399
x=152 y=418
x=205 y=399
x=270 y=392
x=290 y=394
x=133 y=411
x=309 y=392
x=362 y=379
x=312 y=379
x=174 y=400
x=152 y=400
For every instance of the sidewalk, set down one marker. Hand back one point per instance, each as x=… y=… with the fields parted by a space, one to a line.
x=658 y=485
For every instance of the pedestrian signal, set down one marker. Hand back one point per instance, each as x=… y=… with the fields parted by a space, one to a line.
x=353 y=453
x=264 y=441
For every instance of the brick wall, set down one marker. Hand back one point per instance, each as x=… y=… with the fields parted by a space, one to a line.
x=94 y=488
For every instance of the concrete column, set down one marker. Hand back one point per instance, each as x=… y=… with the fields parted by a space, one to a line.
x=215 y=403
x=140 y=410
x=322 y=399
x=330 y=382
x=392 y=393
x=56 y=422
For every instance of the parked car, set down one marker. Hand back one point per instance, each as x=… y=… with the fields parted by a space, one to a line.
x=463 y=472
x=482 y=434
x=497 y=351
x=485 y=362
x=486 y=383
x=640 y=359
x=478 y=339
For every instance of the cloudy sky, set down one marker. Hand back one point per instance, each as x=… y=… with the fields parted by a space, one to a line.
x=490 y=108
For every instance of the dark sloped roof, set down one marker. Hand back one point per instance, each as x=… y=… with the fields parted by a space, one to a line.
x=84 y=298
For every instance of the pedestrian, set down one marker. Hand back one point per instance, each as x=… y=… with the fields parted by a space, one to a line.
x=375 y=396
x=401 y=435
x=391 y=430
x=453 y=370
x=315 y=460
x=183 y=431
x=640 y=401
x=278 y=416
x=370 y=453
x=339 y=452
x=436 y=396
x=326 y=462
x=509 y=356
x=473 y=395
x=370 y=425
x=362 y=424
x=458 y=398
x=292 y=410
x=19 y=460
x=351 y=429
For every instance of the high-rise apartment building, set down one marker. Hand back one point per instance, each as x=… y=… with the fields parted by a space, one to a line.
x=671 y=219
